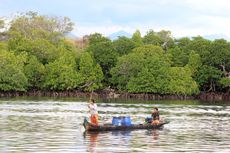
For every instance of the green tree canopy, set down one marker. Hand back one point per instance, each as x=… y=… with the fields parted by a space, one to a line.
x=194 y=62
x=104 y=54
x=91 y=73
x=137 y=39
x=152 y=38
x=178 y=57
x=200 y=46
x=12 y=77
x=124 y=45
x=62 y=74
x=207 y=77
x=38 y=35
x=180 y=82
x=129 y=66
x=34 y=71
x=162 y=38
x=219 y=55
x=97 y=38
x=25 y=23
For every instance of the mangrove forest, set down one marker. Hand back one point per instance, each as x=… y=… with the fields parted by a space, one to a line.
x=37 y=54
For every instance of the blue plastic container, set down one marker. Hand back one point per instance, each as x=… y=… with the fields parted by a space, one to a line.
x=117 y=121
x=122 y=121
x=126 y=121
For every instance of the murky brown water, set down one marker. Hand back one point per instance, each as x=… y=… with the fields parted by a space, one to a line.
x=56 y=126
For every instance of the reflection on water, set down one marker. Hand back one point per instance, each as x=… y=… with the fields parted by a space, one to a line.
x=93 y=138
x=56 y=126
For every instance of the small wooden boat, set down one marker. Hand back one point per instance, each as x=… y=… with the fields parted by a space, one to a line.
x=91 y=127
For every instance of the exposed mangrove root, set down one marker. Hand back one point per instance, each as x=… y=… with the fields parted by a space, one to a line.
x=114 y=95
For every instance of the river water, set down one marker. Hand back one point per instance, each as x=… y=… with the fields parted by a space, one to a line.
x=55 y=125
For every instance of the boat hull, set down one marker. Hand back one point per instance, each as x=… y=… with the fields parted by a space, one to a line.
x=91 y=127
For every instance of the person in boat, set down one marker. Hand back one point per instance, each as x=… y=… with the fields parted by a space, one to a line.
x=93 y=111
x=155 y=116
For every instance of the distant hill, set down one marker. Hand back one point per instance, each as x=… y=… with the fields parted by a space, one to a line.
x=115 y=35
x=216 y=36
x=210 y=37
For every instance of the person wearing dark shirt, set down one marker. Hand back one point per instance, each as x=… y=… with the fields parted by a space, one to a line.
x=155 y=116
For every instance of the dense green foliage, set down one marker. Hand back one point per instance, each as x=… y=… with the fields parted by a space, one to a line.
x=61 y=74
x=128 y=70
x=36 y=55
x=34 y=71
x=151 y=72
x=124 y=45
x=11 y=74
x=103 y=52
x=92 y=73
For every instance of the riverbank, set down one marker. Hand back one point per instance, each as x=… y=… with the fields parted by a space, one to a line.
x=114 y=95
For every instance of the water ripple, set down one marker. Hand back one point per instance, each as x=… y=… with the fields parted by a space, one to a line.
x=56 y=126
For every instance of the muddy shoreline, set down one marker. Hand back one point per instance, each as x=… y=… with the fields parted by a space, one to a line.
x=114 y=95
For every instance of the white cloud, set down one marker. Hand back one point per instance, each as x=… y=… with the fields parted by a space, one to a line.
x=216 y=6
x=182 y=17
x=209 y=24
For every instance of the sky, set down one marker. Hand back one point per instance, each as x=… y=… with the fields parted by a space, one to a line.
x=181 y=17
